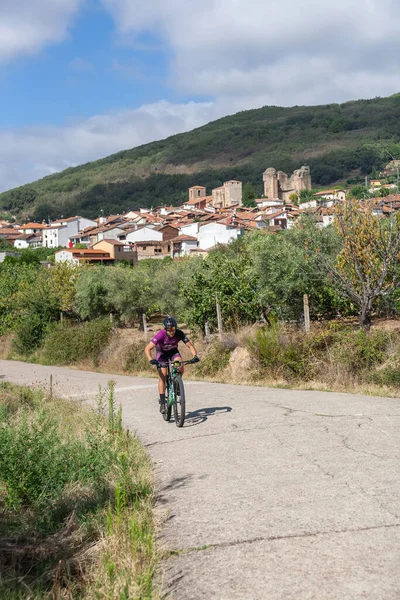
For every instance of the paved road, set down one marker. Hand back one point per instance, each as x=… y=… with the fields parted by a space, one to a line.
x=271 y=494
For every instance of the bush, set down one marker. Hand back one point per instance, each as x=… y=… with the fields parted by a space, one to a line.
x=65 y=345
x=358 y=351
x=135 y=359
x=214 y=359
x=389 y=376
x=282 y=352
x=39 y=458
x=29 y=334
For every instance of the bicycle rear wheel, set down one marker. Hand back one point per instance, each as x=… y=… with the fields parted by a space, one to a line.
x=168 y=407
x=179 y=404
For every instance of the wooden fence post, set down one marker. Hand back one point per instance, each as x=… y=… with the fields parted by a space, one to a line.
x=219 y=318
x=145 y=328
x=306 y=313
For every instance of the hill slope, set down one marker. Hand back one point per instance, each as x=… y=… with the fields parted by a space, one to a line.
x=336 y=140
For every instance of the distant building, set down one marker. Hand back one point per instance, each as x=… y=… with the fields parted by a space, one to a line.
x=28 y=240
x=278 y=185
x=58 y=233
x=79 y=256
x=227 y=195
x=117 y=250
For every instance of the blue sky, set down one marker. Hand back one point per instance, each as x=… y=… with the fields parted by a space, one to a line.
x=80 y=79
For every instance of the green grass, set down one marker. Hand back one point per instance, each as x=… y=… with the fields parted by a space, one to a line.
x=76 y=500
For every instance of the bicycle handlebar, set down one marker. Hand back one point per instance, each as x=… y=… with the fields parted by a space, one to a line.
x=171 y=362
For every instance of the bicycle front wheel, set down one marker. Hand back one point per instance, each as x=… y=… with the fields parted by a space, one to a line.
x=179 y=404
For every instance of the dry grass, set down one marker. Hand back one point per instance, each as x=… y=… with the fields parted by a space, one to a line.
x=228 y=360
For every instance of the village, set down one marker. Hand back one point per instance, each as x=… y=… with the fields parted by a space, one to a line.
x=194 y=228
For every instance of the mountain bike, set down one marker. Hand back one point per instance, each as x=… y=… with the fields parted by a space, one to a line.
x=174 y=391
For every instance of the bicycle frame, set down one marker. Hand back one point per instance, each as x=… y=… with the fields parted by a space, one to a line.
x=172 y=371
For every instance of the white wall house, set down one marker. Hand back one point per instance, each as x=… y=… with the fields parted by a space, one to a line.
x=65 y=256
x=190 y=229
x=28 y=241
x=216 y=232
x=309 y=204
x=183 y=244
x=265 y=203
x=108 y=233
x=330 y=197
x=144 y=234
x=59 y=232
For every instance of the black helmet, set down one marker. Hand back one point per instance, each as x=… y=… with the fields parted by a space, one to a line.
x=169 y=322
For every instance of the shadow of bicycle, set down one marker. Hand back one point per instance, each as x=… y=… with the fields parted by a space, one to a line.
x=196 y=417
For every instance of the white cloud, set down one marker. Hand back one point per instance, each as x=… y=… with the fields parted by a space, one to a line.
x=285 y=52
x=28 y=25
x=32 y=153
x=242 y=53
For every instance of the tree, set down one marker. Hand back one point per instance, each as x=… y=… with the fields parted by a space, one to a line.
x=367 y=266
x=306 y=195
x=249 y=195
x=383 y=192
x=359 y=192
x=225 y=275
x=286 y=265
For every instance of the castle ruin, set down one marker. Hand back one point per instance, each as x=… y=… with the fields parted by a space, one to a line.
x=278 y=185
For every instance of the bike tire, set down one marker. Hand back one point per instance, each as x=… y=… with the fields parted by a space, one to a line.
x=179 y=404
x=167 y=415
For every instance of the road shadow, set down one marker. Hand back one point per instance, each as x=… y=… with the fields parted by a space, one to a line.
x=173 y=484
x=196 y=417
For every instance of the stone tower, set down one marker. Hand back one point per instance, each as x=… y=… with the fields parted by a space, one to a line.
x=229 y=194
x=277 y=185
x=197 y=191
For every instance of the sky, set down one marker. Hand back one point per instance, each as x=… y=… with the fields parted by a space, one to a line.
x=81 y=79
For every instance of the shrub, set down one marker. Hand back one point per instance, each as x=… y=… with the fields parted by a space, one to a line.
x=64 y=345
x=389 y=376
x=39 y=458
x=357 y=351
x=282 y=352
x=135 y=359
x=29 y=334
x=214 y=359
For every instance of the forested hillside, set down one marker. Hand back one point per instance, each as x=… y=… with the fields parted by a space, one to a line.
x=338 y=141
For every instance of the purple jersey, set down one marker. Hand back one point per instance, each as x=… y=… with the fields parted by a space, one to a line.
x=164 y=343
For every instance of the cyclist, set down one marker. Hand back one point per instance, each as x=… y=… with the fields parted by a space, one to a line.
x=166 y=344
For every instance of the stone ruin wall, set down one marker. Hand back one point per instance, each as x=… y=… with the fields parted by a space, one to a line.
x=280 y=185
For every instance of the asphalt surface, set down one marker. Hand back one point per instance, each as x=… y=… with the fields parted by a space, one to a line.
x=266 y=494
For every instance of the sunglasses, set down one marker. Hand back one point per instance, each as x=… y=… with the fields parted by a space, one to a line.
x=170 y=329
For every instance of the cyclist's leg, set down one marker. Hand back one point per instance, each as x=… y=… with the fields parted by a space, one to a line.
x=162 y=380
x=177 y=356
x=162 y=373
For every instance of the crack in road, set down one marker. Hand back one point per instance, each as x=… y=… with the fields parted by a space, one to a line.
x=273 y=538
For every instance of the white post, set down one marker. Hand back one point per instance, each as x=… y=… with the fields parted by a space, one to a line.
x=145 y=328
x=306 y=313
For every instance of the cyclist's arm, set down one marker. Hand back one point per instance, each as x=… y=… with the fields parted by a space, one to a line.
x=192 y=349
x=148 y=350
